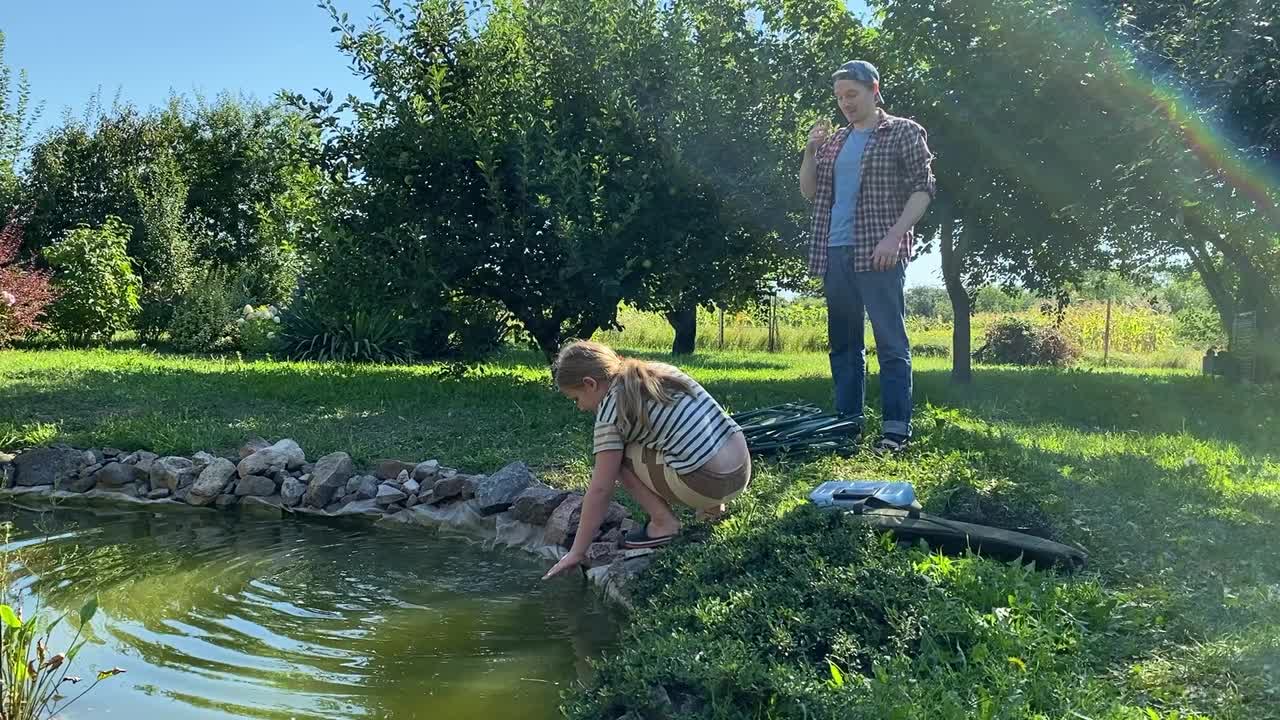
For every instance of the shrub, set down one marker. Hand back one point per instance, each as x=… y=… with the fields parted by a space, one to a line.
x=285 y=222
x=760 y=618
x=930 y=350
x=932 y=302
x=98 y=290
x=25 y=292
x=163 y=246
x=259 y=330
x=405 y=301
x=204 y=318
x=317 y=330
x=153 y=318
x=479 y=326
x=1199 y=327
x=993 y=299
x=1014 y=341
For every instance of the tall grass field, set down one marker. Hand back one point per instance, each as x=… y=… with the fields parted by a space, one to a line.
x=1140 y=337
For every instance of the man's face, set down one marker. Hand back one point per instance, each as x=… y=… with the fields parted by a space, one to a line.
x=857 y=101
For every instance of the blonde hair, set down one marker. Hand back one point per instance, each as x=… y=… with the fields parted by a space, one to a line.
x=638 y=381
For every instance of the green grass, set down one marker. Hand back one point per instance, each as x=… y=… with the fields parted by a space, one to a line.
x=1170 y=480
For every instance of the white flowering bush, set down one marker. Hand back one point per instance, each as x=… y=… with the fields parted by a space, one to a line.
x=7 y=302
x=259 y=330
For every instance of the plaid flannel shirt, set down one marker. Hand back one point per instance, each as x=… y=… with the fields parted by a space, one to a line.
x=895 y=164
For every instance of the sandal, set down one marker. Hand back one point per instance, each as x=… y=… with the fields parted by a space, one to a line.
x=640 y=538
x=890 y=444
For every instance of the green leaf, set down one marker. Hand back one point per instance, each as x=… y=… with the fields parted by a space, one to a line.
x=89 y=610
x=9 y=617
x=837 y=677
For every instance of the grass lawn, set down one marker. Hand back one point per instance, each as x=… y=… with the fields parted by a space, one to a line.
x=1170 y=480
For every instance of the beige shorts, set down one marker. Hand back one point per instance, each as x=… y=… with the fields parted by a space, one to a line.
x=701 y=489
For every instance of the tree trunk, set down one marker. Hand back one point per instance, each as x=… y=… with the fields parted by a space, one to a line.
x=548 y=340
x=546 y=334
x=549 y=333
x=1255 y=291
x=586 y=328
x=685 y=323
x=953 y=250
x=1219 y=293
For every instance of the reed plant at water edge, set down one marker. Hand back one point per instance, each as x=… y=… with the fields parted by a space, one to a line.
x=35 y=683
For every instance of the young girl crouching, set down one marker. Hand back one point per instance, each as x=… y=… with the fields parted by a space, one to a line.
x=660 y=434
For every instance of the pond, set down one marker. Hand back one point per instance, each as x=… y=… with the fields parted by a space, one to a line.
x=222 y=617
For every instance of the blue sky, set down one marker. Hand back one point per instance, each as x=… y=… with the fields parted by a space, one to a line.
x=143 y=50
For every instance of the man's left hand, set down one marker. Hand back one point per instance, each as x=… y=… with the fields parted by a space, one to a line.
x=885 y=255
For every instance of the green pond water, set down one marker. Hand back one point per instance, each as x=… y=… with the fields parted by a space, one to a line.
x=214 y=616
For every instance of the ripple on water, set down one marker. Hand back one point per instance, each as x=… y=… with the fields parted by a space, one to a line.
x=217 y=617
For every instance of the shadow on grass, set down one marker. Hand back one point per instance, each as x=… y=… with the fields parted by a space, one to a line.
x=1202 y=520
x=1164 y=403
x=1083 y=400
x=507 y=409
x=122 y=342
x=987 y=477
x=1133 y=512
x=1192 y=545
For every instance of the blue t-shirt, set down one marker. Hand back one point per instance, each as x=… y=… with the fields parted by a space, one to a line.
x=848 y=177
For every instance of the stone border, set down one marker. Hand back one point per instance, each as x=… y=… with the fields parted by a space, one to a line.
x=510 y=508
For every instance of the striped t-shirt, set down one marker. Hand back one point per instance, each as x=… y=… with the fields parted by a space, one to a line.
x=687 y=433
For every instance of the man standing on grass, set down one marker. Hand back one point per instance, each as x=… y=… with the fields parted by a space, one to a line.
x=870 y=183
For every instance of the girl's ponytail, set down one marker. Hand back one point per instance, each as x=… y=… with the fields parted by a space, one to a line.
x=640 y=382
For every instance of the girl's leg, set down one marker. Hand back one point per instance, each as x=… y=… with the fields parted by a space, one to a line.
x=661 y=520
x=710 y=514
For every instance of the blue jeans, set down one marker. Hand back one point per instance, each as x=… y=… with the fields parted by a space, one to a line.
x=880 y=296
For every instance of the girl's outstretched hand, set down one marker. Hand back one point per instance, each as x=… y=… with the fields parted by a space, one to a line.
x=568 y=562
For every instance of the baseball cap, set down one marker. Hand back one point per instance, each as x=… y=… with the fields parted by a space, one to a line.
x=860 y=71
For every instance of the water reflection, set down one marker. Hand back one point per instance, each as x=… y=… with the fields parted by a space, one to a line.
x=218 y=617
